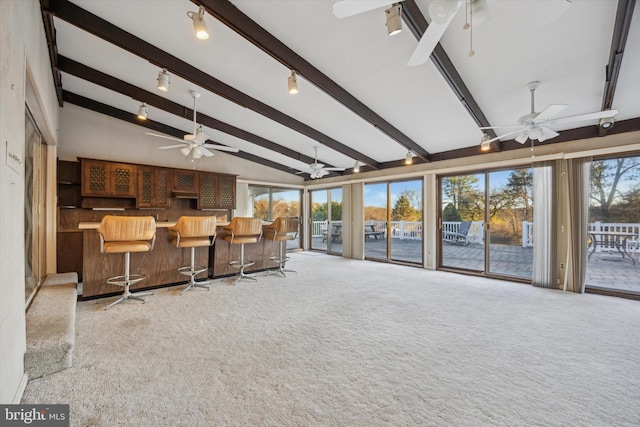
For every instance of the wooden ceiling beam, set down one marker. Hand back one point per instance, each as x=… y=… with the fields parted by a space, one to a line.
x=99 y=78
x=417 y=24
x=232 y=17
x=618 y=43
x=116 y=113
x=75 y=15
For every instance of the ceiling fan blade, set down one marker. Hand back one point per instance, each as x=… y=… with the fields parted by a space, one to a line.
x=584 y=117
x=200 y=138
x=221 y=148
x=166 y=147
x=546 y=133
x=501 y=127
x=522 y=138
x=163 y=136
x=346 y=8
x=504 y=135
x=432 y=36
x=549 y=112
x=333 y=169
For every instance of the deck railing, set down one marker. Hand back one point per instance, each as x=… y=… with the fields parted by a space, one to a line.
x=412 y=230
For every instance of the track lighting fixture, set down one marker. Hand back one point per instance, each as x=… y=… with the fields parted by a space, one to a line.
x=293 y=83
x=163 y=80
x=606 y=122
x=199 y=24
x=485 y=145
x=356 y=167
x=143 y=111
x=408 y=159
x=394 y=19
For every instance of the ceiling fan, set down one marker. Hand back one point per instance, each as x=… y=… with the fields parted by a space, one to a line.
x=535 y=125
x=441 y=13
x=195 y=143
x=317 y=170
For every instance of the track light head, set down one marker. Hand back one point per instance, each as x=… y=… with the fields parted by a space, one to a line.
x=293 y=83
x=356 y=167
x=606 y=122
x=199 y=24
x=143 y=111
x=408 y=159
x=485 y=145
x=394 y=19
x=163 y=80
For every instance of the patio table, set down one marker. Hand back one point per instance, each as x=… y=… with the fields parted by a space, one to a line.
x=617 y=239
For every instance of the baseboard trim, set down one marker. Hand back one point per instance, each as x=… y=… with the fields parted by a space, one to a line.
x=23 y=385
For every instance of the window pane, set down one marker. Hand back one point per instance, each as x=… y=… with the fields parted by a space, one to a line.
x=406 y=221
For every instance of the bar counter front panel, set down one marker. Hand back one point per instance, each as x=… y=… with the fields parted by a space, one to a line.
x=160 y=265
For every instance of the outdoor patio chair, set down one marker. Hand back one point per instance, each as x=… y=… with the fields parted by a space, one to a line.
x=461 y=235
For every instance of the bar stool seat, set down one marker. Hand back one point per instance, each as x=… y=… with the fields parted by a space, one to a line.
x=123 y=235
x=282 y=230
x=193 y=232
x=239 y=232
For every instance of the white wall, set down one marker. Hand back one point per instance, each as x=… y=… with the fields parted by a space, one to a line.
x=85 y=133
x=22 y=47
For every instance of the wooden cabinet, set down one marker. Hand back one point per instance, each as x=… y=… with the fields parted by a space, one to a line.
x=217 y=191
x=185 y=181
x=108 y=179
x=154 y=187
x=69 y=182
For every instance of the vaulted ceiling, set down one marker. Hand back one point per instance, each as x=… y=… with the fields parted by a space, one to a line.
x=358 y=100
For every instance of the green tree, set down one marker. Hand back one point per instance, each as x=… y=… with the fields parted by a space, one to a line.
x=403 y=210
x=450 y=213
x=462 y=192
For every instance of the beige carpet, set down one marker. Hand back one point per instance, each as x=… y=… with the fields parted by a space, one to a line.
x=353 y=343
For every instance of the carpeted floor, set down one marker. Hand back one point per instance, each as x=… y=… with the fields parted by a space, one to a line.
x=354 y=343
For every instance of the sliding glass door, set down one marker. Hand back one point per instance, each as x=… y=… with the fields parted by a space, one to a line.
x=393 y=221
x=326 y=220
x=487 y=222
x=270 y=203
x=462 y=222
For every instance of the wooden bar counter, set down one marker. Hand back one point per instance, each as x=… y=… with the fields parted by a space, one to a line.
x=160 y=265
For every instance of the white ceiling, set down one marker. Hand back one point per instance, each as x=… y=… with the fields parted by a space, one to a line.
x=564 y=45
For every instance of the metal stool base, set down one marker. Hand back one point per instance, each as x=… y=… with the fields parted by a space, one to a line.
x=126 y=282
x=192 y=272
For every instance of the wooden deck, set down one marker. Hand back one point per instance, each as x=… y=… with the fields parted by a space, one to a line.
x=604 y=270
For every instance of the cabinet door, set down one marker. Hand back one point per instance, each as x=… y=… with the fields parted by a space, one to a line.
x=96 y=178
x=208 y=191
x=226 y=194
x=162 y=188
x=185 y=181
x=123 y=180
x=146 y=187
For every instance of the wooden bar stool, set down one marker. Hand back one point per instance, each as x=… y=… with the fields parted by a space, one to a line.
x=193 y=232
x=282 y=230
x=123 y=235
x=238 y=232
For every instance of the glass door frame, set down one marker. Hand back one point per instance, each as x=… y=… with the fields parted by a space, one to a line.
x=329 y=219
x=486 y=228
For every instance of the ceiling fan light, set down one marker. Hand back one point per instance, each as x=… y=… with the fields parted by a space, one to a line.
x=438 y=12
x=163 y=80
x=394 y=19
x=522 y=138
x=185 y=150
x=293 y=83
x=143 y=111
x=197 y=153
x=199 y=24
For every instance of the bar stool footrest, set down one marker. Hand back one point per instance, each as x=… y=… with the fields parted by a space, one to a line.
x=121 y=280
x=196 y=270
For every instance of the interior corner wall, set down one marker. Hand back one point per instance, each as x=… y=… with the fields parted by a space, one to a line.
x=22 y=45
